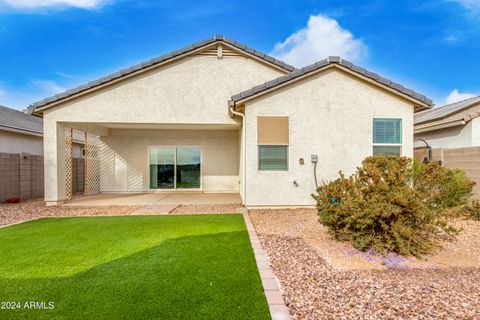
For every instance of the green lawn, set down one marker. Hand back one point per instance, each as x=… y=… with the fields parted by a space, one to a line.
x=138 y=267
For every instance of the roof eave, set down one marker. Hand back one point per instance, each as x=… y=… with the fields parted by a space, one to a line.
x=20 y=130
x=439 y=126
x=39 y=107
x=239 y=100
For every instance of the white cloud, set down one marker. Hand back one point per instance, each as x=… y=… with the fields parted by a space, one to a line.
x=48 y=86
x=21 y=97
x=451 y=39
x=473 y=6
x=45 y=4
x=456 y=96
x=64 y=75
x=322 y=37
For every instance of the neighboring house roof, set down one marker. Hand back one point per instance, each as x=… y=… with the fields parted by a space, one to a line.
x=448 y=112
x=18 y=121
x=161 y=59
x=323 y=64
x=22 y=122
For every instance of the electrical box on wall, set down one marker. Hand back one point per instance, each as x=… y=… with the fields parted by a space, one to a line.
x=314 y=158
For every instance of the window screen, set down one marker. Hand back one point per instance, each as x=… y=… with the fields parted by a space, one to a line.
x=387 y=150
x=273 y=158
x=387 y=131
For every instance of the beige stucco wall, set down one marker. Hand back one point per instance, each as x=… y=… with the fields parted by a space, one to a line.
x=193 y=90
x=13 y=142
x=330 y=116
x=125 y=162
x=454 y=137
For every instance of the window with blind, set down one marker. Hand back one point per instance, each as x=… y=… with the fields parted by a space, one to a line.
x=387 y=136
x=273 y=141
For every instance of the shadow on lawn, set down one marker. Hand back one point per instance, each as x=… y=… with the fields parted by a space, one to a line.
x=207 y=276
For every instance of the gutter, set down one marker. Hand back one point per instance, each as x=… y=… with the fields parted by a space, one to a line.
x=20 y=130
x=232 y=112
x=441 y=126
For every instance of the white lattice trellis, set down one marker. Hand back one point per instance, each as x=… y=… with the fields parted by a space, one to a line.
x=78 y=136
x=68 y=162
x=92 y=164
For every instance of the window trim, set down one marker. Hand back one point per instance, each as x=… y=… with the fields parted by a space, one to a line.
x=389 y=144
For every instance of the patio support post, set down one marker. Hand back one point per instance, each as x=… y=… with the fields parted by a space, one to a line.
x=54 y=161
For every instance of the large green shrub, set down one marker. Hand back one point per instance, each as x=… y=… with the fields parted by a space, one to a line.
x=392 y=204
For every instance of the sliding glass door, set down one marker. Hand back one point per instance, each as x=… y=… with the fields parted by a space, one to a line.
x=162 y=168
x=188 y=168
x=175 y=168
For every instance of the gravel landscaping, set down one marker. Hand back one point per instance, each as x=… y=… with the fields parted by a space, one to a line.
x=325 y=279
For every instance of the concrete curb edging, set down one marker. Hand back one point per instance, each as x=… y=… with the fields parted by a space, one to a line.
x=276 y=305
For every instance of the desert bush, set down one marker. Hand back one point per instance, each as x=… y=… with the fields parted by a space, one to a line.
x=392 y=204
x=470 y=210
x=442 y=187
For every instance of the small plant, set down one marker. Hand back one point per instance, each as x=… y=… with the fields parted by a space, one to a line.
x=472 y=210
x=392 y=204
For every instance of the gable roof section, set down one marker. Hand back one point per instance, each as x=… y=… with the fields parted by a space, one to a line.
x=449 y=112
x=14 y=120
x=323 y=64
x=158 y=60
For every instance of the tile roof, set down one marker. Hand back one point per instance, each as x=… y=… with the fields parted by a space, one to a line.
x=323 y=63
x=18 y=120
x=160 y=59
x=445 y=111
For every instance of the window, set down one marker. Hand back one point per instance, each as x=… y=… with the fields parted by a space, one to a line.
x=387 y=136
x=273 y=141
x=175 y=167
x=273 y=158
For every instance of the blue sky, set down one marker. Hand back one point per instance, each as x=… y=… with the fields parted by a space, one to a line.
x=47 y=46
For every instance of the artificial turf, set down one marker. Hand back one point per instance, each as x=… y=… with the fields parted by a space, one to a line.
x=136 y=267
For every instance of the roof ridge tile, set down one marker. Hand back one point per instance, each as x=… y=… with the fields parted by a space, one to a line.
x=159 y=59
x=328 y=61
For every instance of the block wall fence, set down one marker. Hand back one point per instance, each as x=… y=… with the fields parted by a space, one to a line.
x=21 y=175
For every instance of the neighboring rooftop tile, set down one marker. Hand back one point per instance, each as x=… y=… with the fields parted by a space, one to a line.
x=157 y=60
x=445 y=111
x=19 y=120
x=333 y=60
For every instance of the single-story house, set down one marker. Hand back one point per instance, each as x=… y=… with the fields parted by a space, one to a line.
x=21 y=156
x=455 y=125
x=20 y=132
x=451 y=134
x=219 y=116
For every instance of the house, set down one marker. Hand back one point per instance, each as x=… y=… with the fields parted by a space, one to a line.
x=455 y=125
x=218 y=116
x=20 y=132
x=451 y=134
x=21 y=156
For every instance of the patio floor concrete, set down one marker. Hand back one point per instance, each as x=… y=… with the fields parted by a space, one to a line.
x=155 y=199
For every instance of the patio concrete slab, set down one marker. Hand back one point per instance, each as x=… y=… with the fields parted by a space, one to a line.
x=155 y=199
x=156 y=209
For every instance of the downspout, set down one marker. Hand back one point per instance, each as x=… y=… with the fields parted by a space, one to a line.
x=231 y=106
x=429 y=148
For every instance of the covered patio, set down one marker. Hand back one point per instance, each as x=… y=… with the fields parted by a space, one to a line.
x=156 y=199
x=145 y=164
